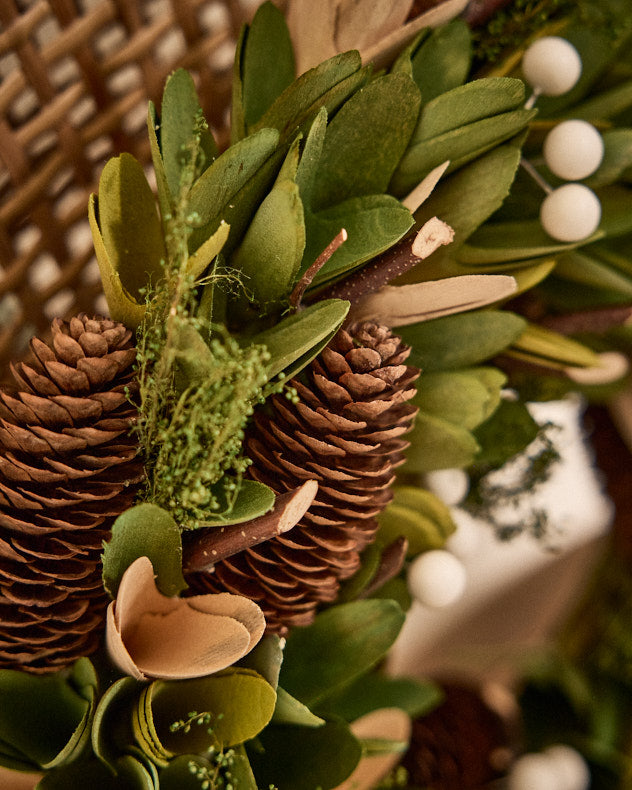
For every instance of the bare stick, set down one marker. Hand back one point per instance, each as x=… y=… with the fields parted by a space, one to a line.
x=308 y=276
x=216 y=543
x=391 y=264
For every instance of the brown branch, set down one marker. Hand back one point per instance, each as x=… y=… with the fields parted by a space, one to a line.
x=208 y=546
x=390 y=264
x=597 y=320
x=308 y=276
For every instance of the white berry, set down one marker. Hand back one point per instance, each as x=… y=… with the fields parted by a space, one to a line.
x=570 y=213
x=551 y=65
x=573 y=150
x=450 y=485
x=570 y=767
x=533 y=772
x=436 y=578
x=469 y=532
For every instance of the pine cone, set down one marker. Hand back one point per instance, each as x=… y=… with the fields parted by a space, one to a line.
x=461 y=745
x=345 y=431
x=68 y=467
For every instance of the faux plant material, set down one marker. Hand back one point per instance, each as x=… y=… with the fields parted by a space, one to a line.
x=272 y=413
x=68 y=469
x=393 y=727
x=152 y=636
x=353 y=409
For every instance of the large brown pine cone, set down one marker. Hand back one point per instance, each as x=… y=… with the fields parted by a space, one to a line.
x=344 y=431
x=68 y=467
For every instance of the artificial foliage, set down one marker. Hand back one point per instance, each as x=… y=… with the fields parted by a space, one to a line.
x=208 y=501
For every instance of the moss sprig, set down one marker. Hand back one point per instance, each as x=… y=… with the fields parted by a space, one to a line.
x=191 y=420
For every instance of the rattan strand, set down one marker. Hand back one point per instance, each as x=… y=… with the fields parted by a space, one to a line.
x=75 y=78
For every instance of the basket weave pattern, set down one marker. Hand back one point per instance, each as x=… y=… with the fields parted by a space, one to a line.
x=75 y=78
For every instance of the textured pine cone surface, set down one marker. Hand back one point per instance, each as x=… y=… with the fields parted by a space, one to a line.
x=461 y=745
x=345 y=431
x=68 y=467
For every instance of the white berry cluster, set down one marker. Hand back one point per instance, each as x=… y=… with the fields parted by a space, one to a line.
x=573 y=150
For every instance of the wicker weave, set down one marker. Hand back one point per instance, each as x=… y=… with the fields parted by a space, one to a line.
x=75 y=78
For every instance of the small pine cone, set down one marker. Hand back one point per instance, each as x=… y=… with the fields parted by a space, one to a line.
x=68 y=468
x=461 y=745
x=345 y=432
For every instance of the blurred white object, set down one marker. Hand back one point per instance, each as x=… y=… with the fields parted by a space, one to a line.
x=468 y=536
x=570 y=767
x=518 y=591
x=533 y=772
x=436 y=578
x=450 y=485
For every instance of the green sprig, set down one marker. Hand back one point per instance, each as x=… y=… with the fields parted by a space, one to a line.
x=191 y=420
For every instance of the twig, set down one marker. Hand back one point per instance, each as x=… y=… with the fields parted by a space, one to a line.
x=216 y=543
x=308 y=276
x=390 y=264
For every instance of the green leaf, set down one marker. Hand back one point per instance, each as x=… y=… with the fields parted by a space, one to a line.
x=271 y=251
x=265 y=659
x=308 y=165
x=460 y=397
x=366 y=139
x=458 y=145
x=178 y=776
x=509 y=431
x=121 y=304
x=342 y=643
x=45 y=720
x=438 y=444
x=497 y=242
x=549 y=348
x=296 y=336
x=467 y=104
x=180 y=122
x=290 y=711
x=616 y=211
x=126 y=203
x=370 y=559
x=465 y=200
x=253 y=499
x=165 y=200
x=419 y=516
x=145 y=530
x=130 y=774
x=206 y=253
x=374 y=691
x=605 y=105
x=327 y=85
x=112 y=728
x=442 y=62
x=373 y=224
x=586 y=268
x=241 y=704
x=232 y=177
x=266 y=62
x=617 y=157
x=304 y=758
x=462 y=340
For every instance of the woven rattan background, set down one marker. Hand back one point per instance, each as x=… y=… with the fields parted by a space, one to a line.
x=75 y=78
